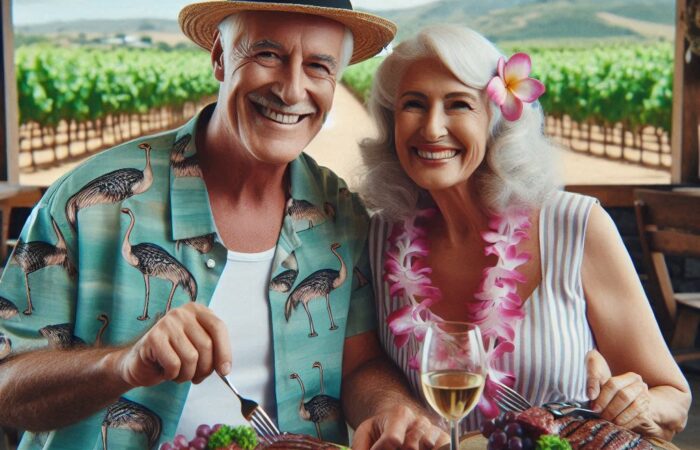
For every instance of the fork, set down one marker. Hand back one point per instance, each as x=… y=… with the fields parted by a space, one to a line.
x=509 y=399
x=264 y=427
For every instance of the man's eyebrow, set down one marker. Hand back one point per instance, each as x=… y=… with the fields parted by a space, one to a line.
x=266 y=43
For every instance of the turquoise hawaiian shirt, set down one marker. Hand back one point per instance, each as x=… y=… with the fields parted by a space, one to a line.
x=130 y=232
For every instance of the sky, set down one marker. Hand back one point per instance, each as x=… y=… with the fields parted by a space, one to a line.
x=26 y=12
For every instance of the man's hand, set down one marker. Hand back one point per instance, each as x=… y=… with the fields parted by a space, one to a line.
x=623 y=399
x=399 y=428
x=187 y=344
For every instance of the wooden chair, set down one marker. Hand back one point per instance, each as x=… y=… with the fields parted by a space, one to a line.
x=669 y=224
x=19 y=197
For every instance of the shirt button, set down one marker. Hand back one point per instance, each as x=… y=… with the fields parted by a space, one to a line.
x=211 y=263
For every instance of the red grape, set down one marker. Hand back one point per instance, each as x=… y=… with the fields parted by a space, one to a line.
x=499 y=439
x=515 y=443
x=198 y=443
x=204 y=431
x=487 y=428
x=166 y=446
x=513 y=429
x=181 y=441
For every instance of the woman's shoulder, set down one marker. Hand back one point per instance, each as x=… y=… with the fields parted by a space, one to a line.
x=564 y=205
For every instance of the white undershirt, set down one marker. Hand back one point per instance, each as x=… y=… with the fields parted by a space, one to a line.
x=240 y=300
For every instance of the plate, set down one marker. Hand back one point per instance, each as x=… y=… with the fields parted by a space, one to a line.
x=475 y=441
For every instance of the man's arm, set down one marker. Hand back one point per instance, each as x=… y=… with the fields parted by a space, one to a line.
x=48 y=389
x=379 y=404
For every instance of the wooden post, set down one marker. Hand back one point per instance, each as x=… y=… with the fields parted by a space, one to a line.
x=9 y=133
x=685 y=144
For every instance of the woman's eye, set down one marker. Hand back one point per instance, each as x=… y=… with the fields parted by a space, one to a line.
x=412 y=104
x=460 y=104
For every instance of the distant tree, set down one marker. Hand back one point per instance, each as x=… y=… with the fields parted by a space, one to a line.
x=163 y=46
x=146 y=39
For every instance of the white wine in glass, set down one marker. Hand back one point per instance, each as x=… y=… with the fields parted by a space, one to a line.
x=453 y=371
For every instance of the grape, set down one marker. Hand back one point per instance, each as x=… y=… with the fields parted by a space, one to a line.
x=498 y=421
x=166 y=446
x=513 y=429
x=181 y=442
x=528 y=444
x=499 y=439
x=487 y=428
x=204 y=431
x=515 y=443
x=216 y=427
x=198 y=443
x=508 y=417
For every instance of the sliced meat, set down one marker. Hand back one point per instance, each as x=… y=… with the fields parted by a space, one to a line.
x=583 y=434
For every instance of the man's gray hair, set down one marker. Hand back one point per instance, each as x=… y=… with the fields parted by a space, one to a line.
x=518 y=168
x=232 y=27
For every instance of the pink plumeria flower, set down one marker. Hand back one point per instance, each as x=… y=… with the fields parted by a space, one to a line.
x=513 y=86
x=414 y=319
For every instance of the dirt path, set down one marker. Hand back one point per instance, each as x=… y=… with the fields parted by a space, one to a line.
x=336 y=147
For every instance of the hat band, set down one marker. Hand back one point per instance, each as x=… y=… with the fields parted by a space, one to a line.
x=338 y=4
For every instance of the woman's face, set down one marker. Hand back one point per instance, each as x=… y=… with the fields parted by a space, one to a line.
x=441 y=126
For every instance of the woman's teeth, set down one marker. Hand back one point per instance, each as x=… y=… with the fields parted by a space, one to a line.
x=279 y=117
x=445 y=154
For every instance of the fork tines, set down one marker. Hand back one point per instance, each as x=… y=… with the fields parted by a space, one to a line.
x=264 y=426
x=508 y=399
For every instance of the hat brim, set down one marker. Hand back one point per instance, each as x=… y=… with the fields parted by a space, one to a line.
x=199 y=22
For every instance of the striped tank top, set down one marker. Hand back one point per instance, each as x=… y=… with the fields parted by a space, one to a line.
x=554 y=336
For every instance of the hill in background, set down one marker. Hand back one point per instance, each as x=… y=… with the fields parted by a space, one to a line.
x=507 y=20
x=500 y=20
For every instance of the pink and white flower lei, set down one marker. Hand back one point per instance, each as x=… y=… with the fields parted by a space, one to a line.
x=497 y=307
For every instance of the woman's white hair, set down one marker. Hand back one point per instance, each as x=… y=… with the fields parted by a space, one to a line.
x=232 y=27
x=518 y=168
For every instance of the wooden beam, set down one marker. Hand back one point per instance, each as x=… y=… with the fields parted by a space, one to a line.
x=3 y=97
x=9 y=123
x=685 y=144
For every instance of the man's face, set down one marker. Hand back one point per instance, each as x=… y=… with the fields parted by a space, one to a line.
x=278 y=82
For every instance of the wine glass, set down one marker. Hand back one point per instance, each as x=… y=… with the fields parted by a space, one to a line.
x=453 y=371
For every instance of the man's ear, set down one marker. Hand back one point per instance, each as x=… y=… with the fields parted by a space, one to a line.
x=217 y=58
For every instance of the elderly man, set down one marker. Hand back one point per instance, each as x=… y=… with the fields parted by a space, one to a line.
x=216 y=247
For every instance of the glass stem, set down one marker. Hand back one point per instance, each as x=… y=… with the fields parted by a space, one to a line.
x=454 y=435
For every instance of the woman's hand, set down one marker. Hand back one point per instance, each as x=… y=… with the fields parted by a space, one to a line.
x=623 y=399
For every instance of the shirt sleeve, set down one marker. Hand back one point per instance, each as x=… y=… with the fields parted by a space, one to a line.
x=38 y=285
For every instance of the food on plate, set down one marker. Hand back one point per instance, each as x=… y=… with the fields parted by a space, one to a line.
x=536 y=429
x=224 y=437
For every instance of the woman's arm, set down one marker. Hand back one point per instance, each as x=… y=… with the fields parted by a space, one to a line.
x=647 y=391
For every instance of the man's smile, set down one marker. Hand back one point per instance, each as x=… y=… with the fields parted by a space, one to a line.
x=272 y=110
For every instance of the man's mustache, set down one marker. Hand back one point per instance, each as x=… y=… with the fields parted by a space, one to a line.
x=274 y=102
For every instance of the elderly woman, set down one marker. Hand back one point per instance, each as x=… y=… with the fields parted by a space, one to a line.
x=471 y=227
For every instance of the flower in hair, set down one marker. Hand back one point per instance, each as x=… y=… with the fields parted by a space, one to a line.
x=512 y=86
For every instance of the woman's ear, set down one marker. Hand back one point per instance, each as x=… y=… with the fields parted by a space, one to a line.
x=217 y=58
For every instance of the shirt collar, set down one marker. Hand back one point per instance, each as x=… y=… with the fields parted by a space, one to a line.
x=190 y=208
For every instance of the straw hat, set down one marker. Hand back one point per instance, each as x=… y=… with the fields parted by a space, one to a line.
x=199 y=21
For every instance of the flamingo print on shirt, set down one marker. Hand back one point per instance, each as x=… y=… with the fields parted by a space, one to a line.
x=112 y=187
x=320 y=408
x=37 y=255
x=129 y=415
x=317 y=285
x=153 y=261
